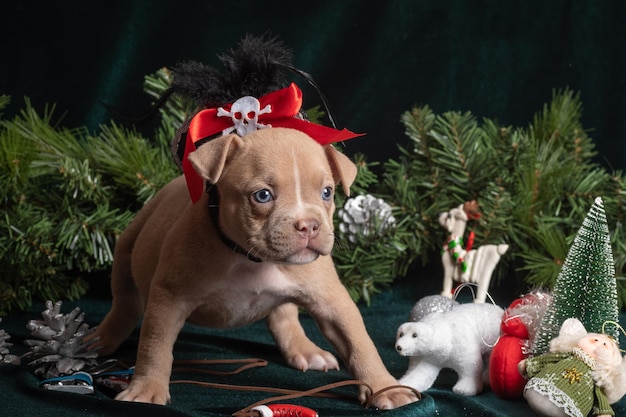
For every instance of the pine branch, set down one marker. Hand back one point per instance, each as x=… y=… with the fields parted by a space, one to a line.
x=366 y=263
x=534 y=186
x=137 y=167
x=66 y=198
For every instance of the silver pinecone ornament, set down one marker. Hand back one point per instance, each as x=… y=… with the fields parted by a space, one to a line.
x=365 y=216
x=58 y=348
x=5 y=357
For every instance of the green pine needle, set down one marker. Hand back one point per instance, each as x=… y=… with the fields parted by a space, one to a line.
x=68 y=194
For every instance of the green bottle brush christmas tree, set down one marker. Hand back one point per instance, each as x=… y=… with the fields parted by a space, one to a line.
x=585 y=288
x=68 y=193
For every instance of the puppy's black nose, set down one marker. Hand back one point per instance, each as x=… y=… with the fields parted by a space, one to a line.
x=307 y=228
x=398 y=348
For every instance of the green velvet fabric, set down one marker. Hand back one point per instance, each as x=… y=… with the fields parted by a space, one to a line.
x=373 y=60
x=21 y=396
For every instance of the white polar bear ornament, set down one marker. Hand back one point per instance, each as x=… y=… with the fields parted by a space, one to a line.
x=460 y=339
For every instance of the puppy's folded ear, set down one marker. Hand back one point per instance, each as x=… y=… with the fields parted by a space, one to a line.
x=211 y=157
x=344 y=170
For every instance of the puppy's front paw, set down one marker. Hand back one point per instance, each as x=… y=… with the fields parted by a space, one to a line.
x=317 y=360
x=388 y=400
x=101 y=342
x=145 y=392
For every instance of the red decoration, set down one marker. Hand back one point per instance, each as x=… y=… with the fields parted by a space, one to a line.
x=470 y=241
x=283 y=104
x=284 y=410
x=504 y=378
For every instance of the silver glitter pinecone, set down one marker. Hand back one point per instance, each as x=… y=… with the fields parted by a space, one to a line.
x=365 y=215
x=5 y=356
x=58 y=348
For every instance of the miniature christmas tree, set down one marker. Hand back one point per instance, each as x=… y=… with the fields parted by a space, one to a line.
x=586 y=288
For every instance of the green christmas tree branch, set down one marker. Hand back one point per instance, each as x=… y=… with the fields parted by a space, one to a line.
x=67 y=194
x=533 y=184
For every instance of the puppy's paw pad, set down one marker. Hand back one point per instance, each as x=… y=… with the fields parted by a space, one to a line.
x=144 y=394
x=317 y=361
x=394 y=399
x=323 y=362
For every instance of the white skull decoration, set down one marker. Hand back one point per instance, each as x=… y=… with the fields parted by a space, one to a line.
x=245 y=114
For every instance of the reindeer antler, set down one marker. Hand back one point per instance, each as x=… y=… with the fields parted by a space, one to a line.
x=471 y=209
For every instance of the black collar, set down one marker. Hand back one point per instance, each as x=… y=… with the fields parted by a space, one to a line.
x=214 y=213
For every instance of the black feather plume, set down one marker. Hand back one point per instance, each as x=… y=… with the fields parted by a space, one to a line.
x=256 y=67
x=200 y=83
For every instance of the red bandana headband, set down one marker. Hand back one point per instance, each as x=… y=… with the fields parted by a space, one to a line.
x=247 y=114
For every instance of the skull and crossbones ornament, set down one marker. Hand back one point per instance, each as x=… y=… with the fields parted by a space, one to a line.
x=245 y=114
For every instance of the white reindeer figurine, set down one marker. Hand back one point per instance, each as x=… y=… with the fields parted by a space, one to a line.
x=465 y=264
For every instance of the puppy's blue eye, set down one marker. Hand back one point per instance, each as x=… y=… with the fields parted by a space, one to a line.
x=327 y=193
x=263 y=196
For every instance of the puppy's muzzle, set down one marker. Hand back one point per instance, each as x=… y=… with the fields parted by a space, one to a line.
x=307 y=229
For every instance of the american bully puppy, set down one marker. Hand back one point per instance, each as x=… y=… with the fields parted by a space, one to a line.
x=256 y=246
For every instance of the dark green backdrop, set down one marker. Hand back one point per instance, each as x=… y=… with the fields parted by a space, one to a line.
x=374 y=60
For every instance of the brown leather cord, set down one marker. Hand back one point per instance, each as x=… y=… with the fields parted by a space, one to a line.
x=249 y=363
x=286 y=394
x=315 y=392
